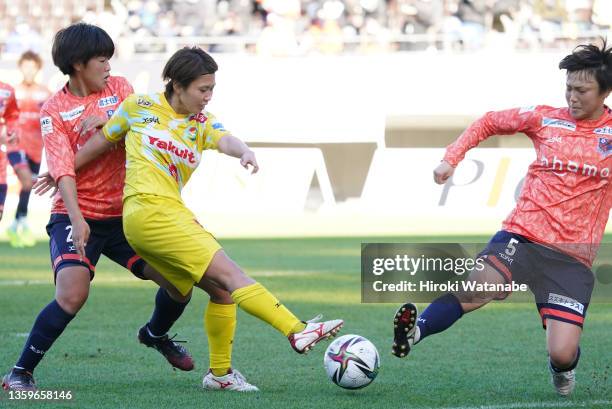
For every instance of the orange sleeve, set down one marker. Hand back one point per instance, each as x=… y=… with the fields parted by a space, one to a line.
x=59 y=153
x=506 y=122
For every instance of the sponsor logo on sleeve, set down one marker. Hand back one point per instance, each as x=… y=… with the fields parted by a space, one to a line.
x=558 y=123
x=73 y=113
x=143 y=102
x=527 y=109
x=604 y=146
x=606 y=130
x=5 y=93
x=108 y=101
x=46 y=125
x=218 y=126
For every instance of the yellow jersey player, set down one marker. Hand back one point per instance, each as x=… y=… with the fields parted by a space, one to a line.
x=165 y=135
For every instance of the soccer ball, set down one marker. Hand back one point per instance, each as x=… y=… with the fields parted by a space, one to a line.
x=351 y=362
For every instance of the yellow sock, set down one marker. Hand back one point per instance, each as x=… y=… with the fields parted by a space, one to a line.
x=220 y=326
x=259 y=302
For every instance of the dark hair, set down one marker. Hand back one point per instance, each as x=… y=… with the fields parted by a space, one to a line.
x=185 y=66
x=592 y=60
x=79 y=43
x=30 y=56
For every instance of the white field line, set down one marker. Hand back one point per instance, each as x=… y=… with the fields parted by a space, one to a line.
x=538 y=405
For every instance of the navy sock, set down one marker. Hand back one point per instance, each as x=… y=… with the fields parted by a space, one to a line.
x=441 y=314
x=22 y=206
x=166 y=312
x=3 y=189
x=48 y=326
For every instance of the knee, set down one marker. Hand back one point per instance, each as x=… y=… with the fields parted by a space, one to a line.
x=72 y=302
x=178 y=297
x=220 y=296
x=563 y=356
x=26 y=184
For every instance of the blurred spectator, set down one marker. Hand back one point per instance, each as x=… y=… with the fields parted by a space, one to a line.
x=290 y=27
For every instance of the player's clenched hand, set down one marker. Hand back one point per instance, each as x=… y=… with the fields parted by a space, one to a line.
x=80 y=235
x=44 y=183
x=89 y=123
x=248 y=158
x=442 y=172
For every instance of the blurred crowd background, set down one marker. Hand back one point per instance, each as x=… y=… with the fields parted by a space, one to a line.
x=304 y=27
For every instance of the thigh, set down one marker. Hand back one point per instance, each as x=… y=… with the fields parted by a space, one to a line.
x=117 y=248
x=508 y=255
x=169 y=238
x=62 y=250
x=562 y=287
x=21 y=166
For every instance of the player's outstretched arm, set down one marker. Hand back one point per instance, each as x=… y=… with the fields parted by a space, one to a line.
x=95 y=146
x=232 y=146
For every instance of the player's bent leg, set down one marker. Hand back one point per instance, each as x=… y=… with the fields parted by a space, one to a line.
x=72 y=290
x=169 y=306
x=442 y=313
x=563 y=344
x=256 y=300
x=72 y=287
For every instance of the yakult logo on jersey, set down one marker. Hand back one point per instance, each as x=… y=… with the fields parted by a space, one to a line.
x=604 y=146
x=606 y=130
x=561 y=168
x=175 y=149
x=73 y=113
x=46 y=125
x=108 y=101
x=558 y=123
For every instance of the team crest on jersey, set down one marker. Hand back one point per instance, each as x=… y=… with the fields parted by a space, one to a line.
x=46 y=125
x=110 y=112
x=191 y=132
x=108 y=101
x=200 y=117
x=604 y=146
x=73 y=113
x=5 y=93
x=606 y=130
x=143 y=102
x=558 y=123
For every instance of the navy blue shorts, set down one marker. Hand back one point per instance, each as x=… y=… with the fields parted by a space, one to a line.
x=562 y=285
x=21 y=159
x=106 y=237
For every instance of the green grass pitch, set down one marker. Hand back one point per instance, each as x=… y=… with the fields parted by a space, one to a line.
x=494 y=358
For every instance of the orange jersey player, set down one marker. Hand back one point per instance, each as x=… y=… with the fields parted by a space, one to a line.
x=9 y=115
x=25 y=155
x=551 y=238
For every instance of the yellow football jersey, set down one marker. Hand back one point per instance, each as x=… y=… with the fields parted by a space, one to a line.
x=163 y=148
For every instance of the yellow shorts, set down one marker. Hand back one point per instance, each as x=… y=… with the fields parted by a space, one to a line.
x=169 y=238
